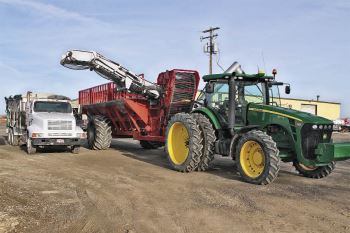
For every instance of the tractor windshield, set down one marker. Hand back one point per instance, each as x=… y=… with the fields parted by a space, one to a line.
x=250 y=92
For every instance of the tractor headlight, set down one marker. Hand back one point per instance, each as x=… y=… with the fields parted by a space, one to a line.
x=320 y=126
x=314 y=127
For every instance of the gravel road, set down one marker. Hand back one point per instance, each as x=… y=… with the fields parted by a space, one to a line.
x=127 y=189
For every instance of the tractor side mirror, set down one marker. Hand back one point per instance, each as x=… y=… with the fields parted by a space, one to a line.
x=209 y=88
x=287 y=90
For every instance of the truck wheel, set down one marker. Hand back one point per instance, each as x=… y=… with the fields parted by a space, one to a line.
x=209 y=138
x=150 y=145
x=183 y=142
x=99 y=133
x=30 y=148
x=313 y=171
x=257 y=158
x=15 y=139
x=75 y=149
x=10 y=137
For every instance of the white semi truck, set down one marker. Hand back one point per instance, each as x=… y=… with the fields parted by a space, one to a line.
x=42 y=120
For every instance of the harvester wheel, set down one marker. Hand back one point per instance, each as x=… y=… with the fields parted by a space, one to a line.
x=209 y=138
x=183 y=142
x=257 y=158
x=314 y=172
x=150 y=145
x=99 y=133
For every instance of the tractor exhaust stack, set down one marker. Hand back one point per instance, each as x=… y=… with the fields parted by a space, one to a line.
x=234 y=68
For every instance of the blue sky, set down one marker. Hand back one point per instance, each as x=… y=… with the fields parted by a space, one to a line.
x=307 y=41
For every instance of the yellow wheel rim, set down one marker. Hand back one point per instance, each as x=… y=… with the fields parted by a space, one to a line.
x=178 y=143
x=252 y=159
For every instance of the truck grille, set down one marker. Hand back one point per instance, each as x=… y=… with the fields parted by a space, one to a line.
x=59 y=125
x=60 y=135
x=184 y=93
x=311 y=138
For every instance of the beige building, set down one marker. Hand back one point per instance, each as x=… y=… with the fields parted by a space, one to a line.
x=329 y=110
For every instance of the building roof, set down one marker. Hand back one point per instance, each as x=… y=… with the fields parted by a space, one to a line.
x=316 y=101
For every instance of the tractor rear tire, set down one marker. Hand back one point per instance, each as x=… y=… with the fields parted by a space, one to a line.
x=149 y=145
x=257 y=158
x=209 y=138
x=314 y=172
x=183 y=142
x=99 y=133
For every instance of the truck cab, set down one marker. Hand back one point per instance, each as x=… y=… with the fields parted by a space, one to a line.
x=43 y=120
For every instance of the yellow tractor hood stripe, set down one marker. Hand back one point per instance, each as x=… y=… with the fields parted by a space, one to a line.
x=273 y=112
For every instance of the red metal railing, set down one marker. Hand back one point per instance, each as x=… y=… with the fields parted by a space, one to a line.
x=103 y=93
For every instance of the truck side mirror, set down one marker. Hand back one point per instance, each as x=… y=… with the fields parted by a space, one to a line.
x=209 y=88
x=287 y=90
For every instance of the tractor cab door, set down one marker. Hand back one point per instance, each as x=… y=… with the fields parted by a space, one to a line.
x=248 y=92
x=218 y=101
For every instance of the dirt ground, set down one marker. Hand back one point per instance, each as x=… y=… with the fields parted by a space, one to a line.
x=127 y=189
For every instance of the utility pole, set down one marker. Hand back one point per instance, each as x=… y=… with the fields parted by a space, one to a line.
x=210 y=46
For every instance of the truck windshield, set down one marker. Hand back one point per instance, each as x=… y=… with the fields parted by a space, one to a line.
x=47 y=106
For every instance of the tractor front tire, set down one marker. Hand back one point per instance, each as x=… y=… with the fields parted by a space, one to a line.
x=149 y=145
x=99 y=133
x=183 y=142
x=209 y=138
x=257 y=158
x=314 y=172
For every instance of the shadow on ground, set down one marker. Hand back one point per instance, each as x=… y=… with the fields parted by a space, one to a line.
x=223 y=167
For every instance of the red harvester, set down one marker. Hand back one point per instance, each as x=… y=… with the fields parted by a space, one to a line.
x=131 y=106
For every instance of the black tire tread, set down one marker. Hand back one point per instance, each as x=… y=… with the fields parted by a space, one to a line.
x=270 y=147
x=318 y=173
x=209 y=138
x=103 y=133
x=195 y=142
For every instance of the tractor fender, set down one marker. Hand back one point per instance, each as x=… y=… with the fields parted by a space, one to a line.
x=237 y=136
x=210 y=115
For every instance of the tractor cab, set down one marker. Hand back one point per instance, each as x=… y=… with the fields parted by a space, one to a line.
x=248 y=88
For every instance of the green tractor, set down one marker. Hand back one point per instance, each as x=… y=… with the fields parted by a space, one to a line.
x=239 y=115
